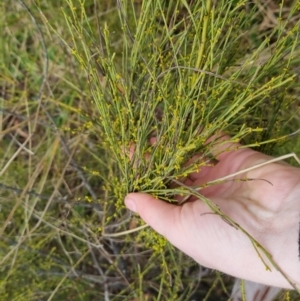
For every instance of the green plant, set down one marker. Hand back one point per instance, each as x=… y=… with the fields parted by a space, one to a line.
x=185 y=76
x=129 y=73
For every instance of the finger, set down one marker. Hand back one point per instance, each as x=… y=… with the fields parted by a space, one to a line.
x=153 y=140
x=169 y=220
x=222 y=179
x=158 y=214
x=225 y=147
x=230 y=157
x=131 y=150
x=222 y=145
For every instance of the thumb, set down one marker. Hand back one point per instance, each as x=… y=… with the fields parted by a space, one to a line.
x=181 y=225
x=158 y=214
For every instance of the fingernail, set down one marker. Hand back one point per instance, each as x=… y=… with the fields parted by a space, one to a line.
x=130 y=204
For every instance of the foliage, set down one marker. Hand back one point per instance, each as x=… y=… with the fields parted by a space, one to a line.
x=85 y=85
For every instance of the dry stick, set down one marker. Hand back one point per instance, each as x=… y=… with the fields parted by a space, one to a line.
x=24 y=119
x=44 y=255
x=64 y=200
x=19 y=144
x=59 y=230
x=219 y=181
x=125 y=232
x=13 y=127
x=106 y=255
x=127 y=217
x=67 y=275
x=291 y=155
x=100 y=271
x=22 y=146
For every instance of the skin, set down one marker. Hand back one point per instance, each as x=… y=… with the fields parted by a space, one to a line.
x=269 y=211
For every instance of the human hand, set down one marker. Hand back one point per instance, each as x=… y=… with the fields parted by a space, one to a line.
x=270 y=213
